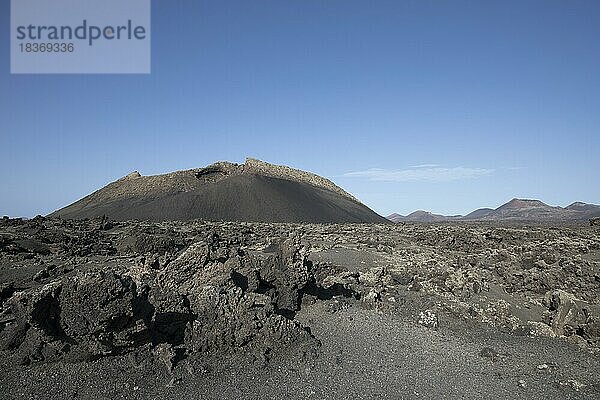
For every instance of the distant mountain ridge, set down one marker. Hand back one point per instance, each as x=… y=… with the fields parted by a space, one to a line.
x=514 y=210
x=421 y=216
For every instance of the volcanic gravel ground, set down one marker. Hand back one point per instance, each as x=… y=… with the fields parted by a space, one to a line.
x=103 y=310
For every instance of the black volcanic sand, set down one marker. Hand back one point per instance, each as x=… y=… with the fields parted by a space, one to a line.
x=101 y=310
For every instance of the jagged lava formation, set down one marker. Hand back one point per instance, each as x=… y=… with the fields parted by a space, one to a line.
x=255 y=191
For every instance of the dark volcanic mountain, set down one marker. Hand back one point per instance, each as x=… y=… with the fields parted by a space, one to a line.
x=590 y=210
x=524 y=209
x=514 y=210
x=253 y=191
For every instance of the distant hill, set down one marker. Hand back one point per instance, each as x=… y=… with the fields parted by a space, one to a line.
x=419 y=216
x=514 y=210
x=591 y=210
x=480 y=213
x=395 y=217
x=522 y=204
x=224 y=191
x=524 y=209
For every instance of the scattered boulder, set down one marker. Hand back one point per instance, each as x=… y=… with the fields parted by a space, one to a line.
x=573 y=318
x=415 y=286
x=107 y=321
x=372 y=277
x=537 y=328
x=241 y=299
x=429 y=319
x=160 y=244
x=6 y=290
x=35 y=323
x=165 y=353
x=88 y=316
x=489 y=352
x=41 y=275
x=372 y=296
x=34 y=246
x=567 y=312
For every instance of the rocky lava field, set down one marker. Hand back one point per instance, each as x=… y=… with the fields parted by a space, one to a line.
x=105 y=309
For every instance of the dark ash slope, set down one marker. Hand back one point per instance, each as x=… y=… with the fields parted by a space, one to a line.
x=254 y=191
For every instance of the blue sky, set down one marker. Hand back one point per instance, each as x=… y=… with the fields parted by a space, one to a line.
x=439 y=105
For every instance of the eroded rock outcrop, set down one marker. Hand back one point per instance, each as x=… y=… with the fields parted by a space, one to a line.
x=215 y=299
x=569 y=316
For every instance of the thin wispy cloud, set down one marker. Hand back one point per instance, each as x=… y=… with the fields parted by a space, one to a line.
x=420 y=174
x=424 y=166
